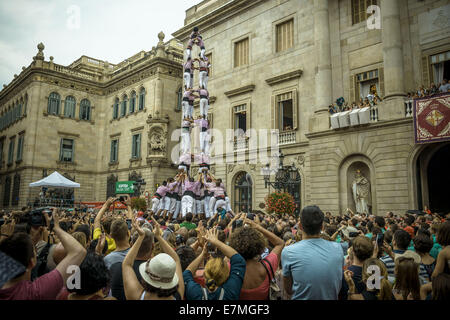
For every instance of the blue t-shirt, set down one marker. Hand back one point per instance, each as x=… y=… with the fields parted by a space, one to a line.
x=315 y=266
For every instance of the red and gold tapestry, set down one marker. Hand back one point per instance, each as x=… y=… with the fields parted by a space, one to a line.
x=432 y=118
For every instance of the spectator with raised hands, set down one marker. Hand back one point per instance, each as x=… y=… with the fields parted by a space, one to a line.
x=19 y=246
x=162 y=277
x=106 y=226
x=222 y=283
x=251 y=241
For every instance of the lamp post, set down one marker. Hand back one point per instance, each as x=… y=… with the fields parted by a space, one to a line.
x=287 y=179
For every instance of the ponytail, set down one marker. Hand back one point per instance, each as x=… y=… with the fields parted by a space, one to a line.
x=385 y=290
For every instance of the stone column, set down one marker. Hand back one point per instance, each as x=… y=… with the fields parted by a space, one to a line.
x=158 y=98
x=392 y=49
x=393 y=105
x=324 y=84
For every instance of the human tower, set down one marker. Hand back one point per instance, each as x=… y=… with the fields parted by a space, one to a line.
x=204 y=195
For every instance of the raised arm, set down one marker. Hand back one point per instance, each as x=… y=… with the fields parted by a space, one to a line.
x=166 y=248
x=98 y=217
x=132 y=288
x=212 y=237
x=75 y=251
x=278 y=244
x=197 y=261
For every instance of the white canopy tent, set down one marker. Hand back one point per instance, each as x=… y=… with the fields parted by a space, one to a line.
x=55 y=180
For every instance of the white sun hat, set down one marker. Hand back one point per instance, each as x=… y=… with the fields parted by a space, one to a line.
x=159 y=271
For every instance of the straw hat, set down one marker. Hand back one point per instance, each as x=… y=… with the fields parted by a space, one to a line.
x=159 y=272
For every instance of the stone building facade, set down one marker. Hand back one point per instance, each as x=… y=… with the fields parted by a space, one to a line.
x=93 y=121
x=279 y=64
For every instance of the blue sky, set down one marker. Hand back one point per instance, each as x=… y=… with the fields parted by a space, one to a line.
x=111 y=30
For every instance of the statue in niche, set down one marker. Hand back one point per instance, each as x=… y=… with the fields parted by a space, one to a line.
x=361 y=193
x=157 y=141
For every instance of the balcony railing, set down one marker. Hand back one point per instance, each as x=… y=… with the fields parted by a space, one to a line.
x=287 y=137
x=240 y=144
x=409 y=104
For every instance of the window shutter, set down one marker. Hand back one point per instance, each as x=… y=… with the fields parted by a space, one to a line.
x=61 y=150
x=295 y=108
x=111 y=155
x=138 y=146
x=73 y=151
x=133 y=147
x=352 y=88
x=381 y=81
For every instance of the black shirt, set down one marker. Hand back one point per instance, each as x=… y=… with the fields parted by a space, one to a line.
x=117 y=289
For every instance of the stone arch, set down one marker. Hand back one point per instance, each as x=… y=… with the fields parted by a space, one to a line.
x=418 y=161
x=238 y=185
x=346 y=171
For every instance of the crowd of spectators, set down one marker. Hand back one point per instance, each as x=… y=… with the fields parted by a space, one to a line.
x=258 y=256
x=433 y=89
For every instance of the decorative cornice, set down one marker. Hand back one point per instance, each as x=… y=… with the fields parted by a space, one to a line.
x=137 y=129
x=69 y=134
x=240 y=90
x=115 y=135
x=216 y=17
x=284 y=77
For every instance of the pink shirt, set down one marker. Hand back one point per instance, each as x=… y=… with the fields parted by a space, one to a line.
x=191 y=186
x=162 y=190
x=173 y=186
x=261 y=292
x=186 y=124
x=187 y=94
x=203 y=92
x=185 y=158
x=188 y=65
x=45 y=287
x=202 y=123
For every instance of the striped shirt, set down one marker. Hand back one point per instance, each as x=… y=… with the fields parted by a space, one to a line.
x=390 y=266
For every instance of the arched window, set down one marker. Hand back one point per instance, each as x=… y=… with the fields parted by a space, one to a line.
x=132 y=102
x=19 y=107
x=85 y=109
x=116 y=109
x=123 y=110
x=141 y=99
x=54 y=100
x=69 y=107
x=179 y=98
x=242 y=193
x=25 y=105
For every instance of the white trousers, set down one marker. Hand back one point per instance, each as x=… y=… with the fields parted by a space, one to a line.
x=227 y=200
x=206 y=204
x=202 y=79
x=199 y=206
x=185 y=109
x=192 y=80
x=166 y=203
x=177 y=209
x=173 y=204
x=185 y=141
x=155 y=204
x=204 y=106
x=204 y=141
x=202 y=53
x=187 y=205
x=206 y=81
x=187 y=79
x=212 y=202
x=188 y=52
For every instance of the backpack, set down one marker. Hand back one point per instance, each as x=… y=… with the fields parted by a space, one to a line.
x=205 y=294
x=274 y=289
x=41 y=263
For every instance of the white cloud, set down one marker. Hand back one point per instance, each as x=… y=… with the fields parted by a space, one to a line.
x=110 y=30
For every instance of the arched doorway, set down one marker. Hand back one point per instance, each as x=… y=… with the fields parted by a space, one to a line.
x=242 y=193
x=432 y=174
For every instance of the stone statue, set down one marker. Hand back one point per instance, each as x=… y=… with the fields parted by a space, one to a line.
x=157 y=141
x=361 y=193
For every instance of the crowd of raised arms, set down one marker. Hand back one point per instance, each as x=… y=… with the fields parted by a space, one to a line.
x=130 y=255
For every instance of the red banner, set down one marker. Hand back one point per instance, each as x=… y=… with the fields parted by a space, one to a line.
x=432 y=119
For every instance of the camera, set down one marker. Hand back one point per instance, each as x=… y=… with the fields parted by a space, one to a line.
x=250 y=216
x=36 y=218
x=380 y=239
x=179 y=239
x=353 y=234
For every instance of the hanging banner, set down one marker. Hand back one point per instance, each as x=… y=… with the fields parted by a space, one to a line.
x=432 y=118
